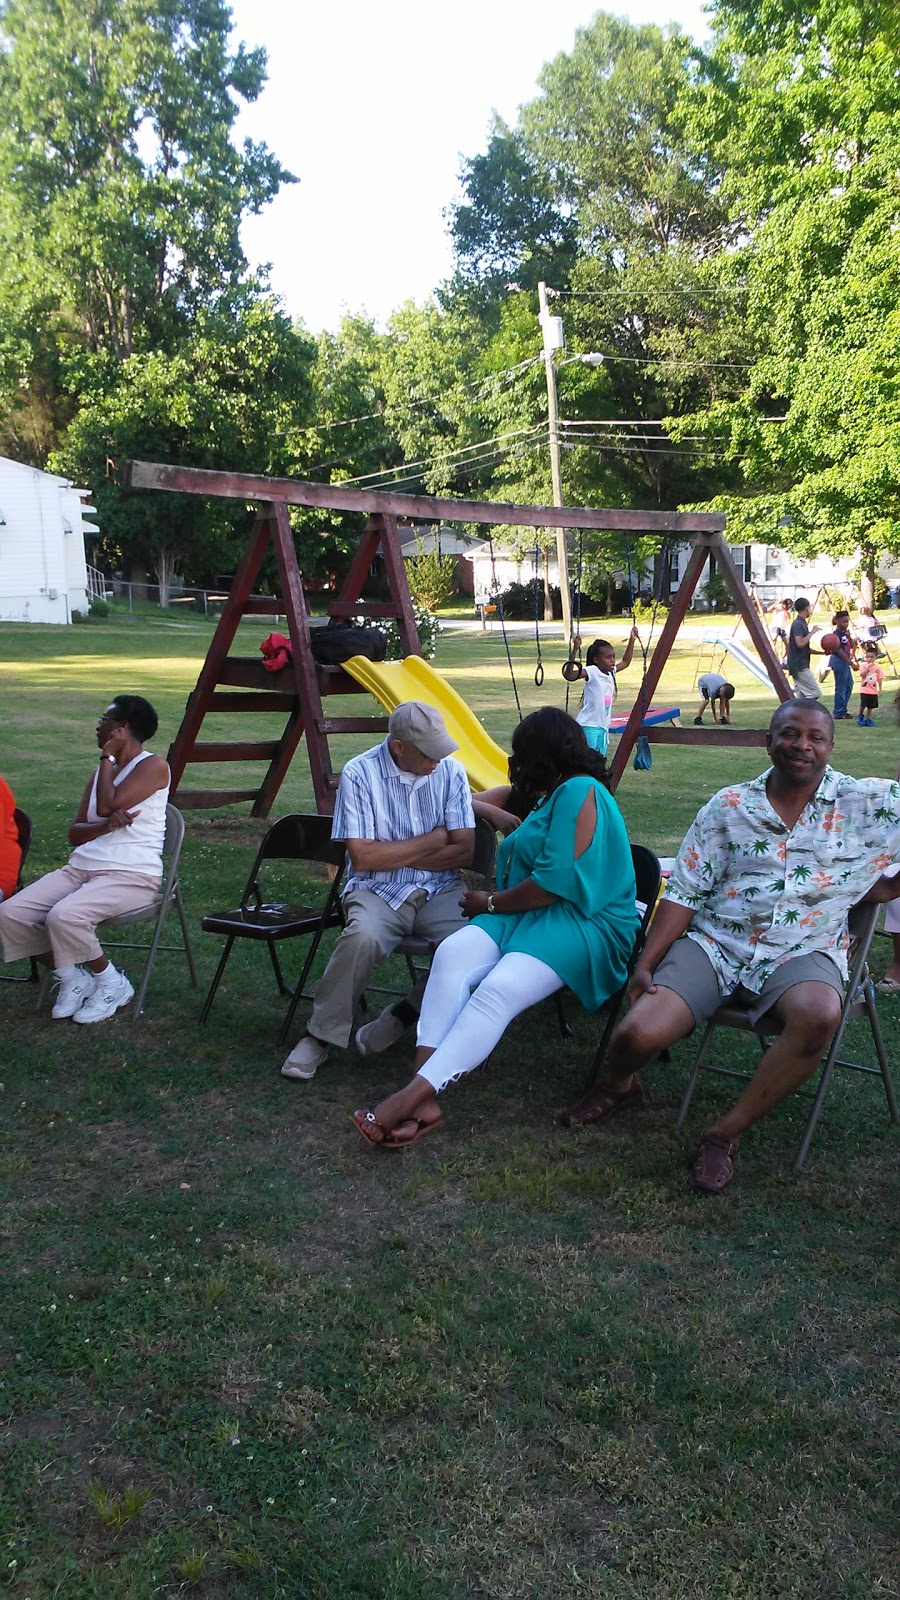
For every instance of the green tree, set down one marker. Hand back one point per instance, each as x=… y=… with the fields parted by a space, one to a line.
x=128 y=324
x=804 y=108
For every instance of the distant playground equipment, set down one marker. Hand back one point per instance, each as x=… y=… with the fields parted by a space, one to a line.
x=720 y=644
x=237 y=685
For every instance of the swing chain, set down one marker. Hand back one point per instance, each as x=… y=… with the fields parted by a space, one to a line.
x=497 y=596
x=539 y=668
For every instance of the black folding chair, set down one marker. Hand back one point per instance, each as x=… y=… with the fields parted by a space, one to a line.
x=25 y=829
x=156 y=911
x=647 y=877
x=859 y=1001
x=298 y=837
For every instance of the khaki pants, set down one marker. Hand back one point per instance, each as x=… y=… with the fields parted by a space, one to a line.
x=374 y=930
x=60 y=913
x=805 y=685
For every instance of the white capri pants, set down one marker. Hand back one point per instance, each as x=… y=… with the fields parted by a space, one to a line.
x=472 y=995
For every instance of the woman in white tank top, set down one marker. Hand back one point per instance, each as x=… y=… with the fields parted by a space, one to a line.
x=116 y=866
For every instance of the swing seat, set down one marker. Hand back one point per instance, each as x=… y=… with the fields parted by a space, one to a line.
x=652 y=716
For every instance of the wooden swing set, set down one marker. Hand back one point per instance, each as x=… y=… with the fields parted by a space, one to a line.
x=241 y=686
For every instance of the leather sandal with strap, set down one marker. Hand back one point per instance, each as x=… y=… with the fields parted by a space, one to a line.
x=712 y=1169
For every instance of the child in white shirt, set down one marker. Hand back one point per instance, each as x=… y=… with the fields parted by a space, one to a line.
x=599 y=677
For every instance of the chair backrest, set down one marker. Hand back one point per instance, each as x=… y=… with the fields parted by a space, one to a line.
x=302 y=836
x=647 y=878
x=25 y=829
x=484 y=854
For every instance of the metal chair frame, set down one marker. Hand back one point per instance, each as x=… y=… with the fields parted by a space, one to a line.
x=157 y=910
x=859 y=1001
x=297 y=837
x=647 y=877
x=25 y=830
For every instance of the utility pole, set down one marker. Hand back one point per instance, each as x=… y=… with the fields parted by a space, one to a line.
x=554 y=340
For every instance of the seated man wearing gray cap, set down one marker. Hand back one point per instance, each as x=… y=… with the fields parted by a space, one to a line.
x=405 y=811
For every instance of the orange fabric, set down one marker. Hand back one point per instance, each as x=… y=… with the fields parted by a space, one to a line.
x=10 y=854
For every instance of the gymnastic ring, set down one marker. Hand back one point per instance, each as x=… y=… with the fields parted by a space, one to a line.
x=538 y=675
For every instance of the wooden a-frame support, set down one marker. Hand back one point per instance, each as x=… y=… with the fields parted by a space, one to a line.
x=298 y=690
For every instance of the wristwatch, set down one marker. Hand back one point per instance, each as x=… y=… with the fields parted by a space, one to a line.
x=110 y=758
x=490 y=903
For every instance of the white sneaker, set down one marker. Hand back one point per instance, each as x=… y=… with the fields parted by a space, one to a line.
x=72 y=993
x=111 y=991
x=376 y=1036
x=305 y=1058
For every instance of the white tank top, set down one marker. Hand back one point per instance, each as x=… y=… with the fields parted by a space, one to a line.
x=134 y=849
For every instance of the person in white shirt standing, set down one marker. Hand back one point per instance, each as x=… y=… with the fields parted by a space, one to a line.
x=405 y=811
x=116 y=866
x=599 y=677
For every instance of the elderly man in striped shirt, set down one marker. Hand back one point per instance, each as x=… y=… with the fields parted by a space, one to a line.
x=405 y=811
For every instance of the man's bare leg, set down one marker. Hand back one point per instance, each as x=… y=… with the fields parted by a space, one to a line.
x=658 y=1019
x=810 y=1013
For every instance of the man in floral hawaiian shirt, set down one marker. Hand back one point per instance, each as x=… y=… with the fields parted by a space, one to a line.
x=756 y=907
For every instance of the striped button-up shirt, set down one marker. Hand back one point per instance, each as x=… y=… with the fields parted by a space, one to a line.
x=762 y=893
x=376 y=800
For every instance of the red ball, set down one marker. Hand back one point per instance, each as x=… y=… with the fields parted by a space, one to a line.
x=830 y=643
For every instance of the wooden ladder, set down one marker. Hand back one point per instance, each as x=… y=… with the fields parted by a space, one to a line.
x=299 y=688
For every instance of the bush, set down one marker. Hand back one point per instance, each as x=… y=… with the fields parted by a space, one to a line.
x=432 y=581
x=99 y=608
x=427 y=627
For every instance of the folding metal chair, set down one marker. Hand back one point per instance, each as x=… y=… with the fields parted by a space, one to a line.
x=298 y=837
x=858 y=1002
x=156 y=911
x=25 y=829
x=647 y=877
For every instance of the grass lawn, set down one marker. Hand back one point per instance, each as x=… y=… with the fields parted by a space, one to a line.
x=246 y=1356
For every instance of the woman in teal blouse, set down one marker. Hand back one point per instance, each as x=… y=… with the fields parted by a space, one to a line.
x=563 y=915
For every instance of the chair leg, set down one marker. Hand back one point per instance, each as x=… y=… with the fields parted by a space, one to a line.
x=695 y=1073
x=276 y=968
x=216 y=980
x=822 y=1090
x=884 y=1066
x=186 y=936
x=300 y=985
x=565 y=1027
x=141 y=995
x=613 y=1012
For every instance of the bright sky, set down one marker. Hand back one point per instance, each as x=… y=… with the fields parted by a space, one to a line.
x=373 y=106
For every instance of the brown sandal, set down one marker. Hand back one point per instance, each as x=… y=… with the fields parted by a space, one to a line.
x=600 y=1105
x=421 y=1128
x=713 y=1166
x=367 y=1124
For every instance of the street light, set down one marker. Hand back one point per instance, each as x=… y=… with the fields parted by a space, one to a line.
x=554 y=340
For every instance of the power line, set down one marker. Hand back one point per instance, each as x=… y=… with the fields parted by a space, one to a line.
x=605 y=294
x=369 y=416
x=452 y=455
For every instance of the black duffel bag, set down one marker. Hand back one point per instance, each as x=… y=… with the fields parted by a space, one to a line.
x=337 y=643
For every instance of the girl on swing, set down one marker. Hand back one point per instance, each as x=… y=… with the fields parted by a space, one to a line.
x=599 y=675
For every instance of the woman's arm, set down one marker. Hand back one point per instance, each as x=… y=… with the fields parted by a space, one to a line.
x=526 y=896
x=147 y=777
x=81 y=831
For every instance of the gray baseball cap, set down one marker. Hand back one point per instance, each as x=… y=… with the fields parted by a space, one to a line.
x=416 y=723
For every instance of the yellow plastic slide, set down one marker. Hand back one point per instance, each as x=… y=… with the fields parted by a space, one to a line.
x=392 y=682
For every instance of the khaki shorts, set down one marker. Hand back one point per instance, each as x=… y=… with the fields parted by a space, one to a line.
x=687 y=969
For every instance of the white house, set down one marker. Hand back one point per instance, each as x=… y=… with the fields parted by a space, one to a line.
x=43 y=572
